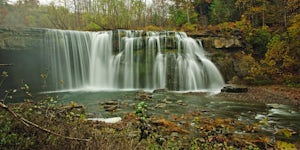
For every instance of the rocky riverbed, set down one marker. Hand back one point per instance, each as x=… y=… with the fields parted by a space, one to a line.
x=264 y=117
x=266 y=94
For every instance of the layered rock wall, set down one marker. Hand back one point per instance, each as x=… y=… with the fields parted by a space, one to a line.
x=21 y=38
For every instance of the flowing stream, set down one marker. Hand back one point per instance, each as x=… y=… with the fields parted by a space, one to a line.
x=271 y=116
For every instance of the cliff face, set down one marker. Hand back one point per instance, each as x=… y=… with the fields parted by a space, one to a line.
x=21 y=45
x=28 y=38
x=226 y=50
x=21 y=38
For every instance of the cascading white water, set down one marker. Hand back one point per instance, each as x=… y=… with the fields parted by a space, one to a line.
x=195 y=70
x=156 y=70
x=129 y=63
x=102 y=61
x=66 y=59
x=126 y=60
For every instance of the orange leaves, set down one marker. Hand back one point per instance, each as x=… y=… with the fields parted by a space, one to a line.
x=170 y=126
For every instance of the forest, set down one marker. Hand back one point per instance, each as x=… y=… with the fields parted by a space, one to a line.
x=270 y=28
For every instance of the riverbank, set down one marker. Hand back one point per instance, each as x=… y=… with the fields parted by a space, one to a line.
x=154 y=121
x=266 y=94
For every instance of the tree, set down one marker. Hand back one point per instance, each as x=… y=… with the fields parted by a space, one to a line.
x=159 y=12
x=182 y=12
x=254 y=10
x=202 y=10
x=3 y=10
x=293 y=35
x=138 y=12
x=30 y=3
x=3 y=3
x=276 y=59
x=59 y=16
x=221 y=11
x=178 y=16
x=259 y=39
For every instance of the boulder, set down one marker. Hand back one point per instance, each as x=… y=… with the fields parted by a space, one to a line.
x=141 y=95
x=226 y=43
x=160 y=90
x=110 y=106
x=231 y=89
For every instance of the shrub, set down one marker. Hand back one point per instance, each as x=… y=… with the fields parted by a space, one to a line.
x=92 y=27
x=259 y=39
x=189 y=27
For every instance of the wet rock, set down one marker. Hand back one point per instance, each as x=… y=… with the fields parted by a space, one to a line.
x=111 y=103
x=180 y=102
x=195 y=93
x=160 y=90
x=110 y=106
x=231 y=89
x=141 y=95
x=160 y=105
x=166 y=101
x=21 y=38
x=276 y=106
x=89 y=115
x=167 y=111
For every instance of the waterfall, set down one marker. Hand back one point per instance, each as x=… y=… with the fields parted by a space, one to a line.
x=102 y=61
x=67 y=53
x=123 y=59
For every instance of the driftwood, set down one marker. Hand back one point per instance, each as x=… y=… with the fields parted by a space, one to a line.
x=29 y=123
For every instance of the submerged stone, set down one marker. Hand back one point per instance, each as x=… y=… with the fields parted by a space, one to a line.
x=110 y=105
x=141 y=95
x=180 y=102
x=160 y=105
x=160 y=90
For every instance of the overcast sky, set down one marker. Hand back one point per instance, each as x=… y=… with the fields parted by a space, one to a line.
x=41 y=1
x=45 y=1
